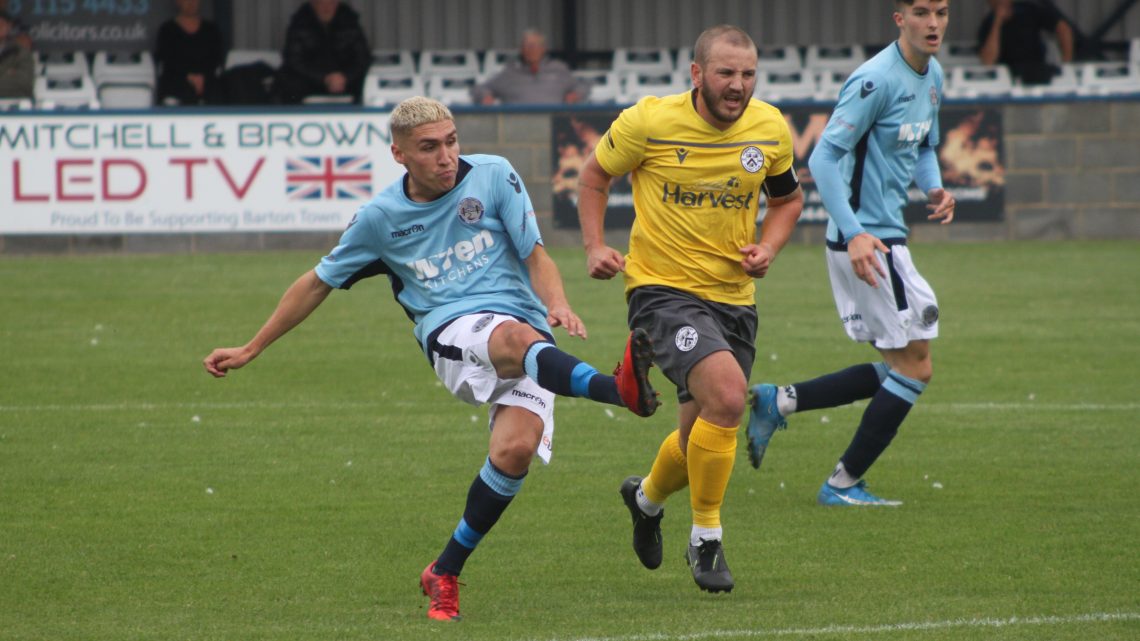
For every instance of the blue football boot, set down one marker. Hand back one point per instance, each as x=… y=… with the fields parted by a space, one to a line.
x=856 y=495
x=763 y=421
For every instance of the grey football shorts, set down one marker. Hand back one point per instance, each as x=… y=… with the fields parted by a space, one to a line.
x=685 y=329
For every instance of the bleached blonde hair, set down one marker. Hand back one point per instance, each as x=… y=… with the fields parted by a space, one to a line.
x=416 y=111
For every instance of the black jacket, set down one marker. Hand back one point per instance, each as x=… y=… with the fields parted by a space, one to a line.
x=313 y=50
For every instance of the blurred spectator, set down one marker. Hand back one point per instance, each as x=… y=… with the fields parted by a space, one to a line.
x=189 y=54
x=17 y=68
x=326 y=52
x=1011 y=34
x=18 y=31
x=533 y=79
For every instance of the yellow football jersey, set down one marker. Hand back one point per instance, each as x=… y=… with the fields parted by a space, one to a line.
x=696 y=192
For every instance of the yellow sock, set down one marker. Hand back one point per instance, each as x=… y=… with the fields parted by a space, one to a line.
x=712 y=453
x=670 y=471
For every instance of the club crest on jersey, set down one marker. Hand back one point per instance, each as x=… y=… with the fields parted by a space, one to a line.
x=752 y=159
x=934 y=96
x=470 y=210
x=686 y=338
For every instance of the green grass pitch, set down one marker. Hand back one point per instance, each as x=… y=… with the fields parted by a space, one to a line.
x=300 y=497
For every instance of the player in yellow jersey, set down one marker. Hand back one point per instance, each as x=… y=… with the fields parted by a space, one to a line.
x=699 y=162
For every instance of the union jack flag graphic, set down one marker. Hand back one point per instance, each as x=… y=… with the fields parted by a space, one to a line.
x=328 y=178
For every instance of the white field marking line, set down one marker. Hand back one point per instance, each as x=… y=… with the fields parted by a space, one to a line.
x=1045 y=407
x=1100 y=617
x=115 y=407
x=145 y=407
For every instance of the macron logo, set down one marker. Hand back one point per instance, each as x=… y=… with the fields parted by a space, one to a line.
x=530 y=397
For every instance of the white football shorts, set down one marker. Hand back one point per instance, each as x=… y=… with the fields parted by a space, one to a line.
x=900 y=310
x=473 y=379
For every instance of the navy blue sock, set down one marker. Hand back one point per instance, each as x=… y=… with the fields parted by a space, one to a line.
x=566 y=375
x=881 y=421
x=840 y=388
x=490 y=494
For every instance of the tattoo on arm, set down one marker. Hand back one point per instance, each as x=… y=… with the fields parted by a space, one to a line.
x=601 y=190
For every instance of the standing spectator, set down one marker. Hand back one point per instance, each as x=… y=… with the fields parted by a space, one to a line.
x=17 y=68
x=18 y=31
x=1011 y=34
x=326 y=52
x=189 y=54
x=533 y=79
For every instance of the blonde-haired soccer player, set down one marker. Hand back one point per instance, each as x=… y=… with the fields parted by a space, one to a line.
x=699 y=160
x=458 y=240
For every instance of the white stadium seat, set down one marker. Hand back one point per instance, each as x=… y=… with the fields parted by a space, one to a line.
x=1065 y=83
x=62 y=65
x=773 y=86
x=451 y=90
x=642 y=60
x=453 y=63
x=384 y=90
x=778 y=58
x=605 y=86
x=327 y=99
x=495 y=59
x=392 y=62
x=247 y=56
x=124 y=80
x=1109 y=78
x=979 y=81
x=640 y=85
x=74 y=93
x=684 y=59
x=834 y=57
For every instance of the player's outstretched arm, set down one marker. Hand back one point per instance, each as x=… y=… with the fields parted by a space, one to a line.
x=547 y=283
x=602 y=261
x=302 y=297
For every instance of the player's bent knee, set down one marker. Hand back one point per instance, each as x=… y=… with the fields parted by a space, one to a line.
x=515 y=338
x=724 y=406
x=513 y=457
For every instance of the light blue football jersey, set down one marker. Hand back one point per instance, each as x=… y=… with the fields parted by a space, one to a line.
x=886 y=111
x=459 y=254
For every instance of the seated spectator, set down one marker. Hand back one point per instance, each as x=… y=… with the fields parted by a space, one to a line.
x=189 y=54
x=534 y=79
x=17 y=68
x=18 y=31
x=326 y=53
x=1011 y=34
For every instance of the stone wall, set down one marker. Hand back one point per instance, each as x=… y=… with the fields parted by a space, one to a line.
x=1072 y=172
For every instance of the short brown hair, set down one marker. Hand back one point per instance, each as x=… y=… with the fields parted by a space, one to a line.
x=735 y=36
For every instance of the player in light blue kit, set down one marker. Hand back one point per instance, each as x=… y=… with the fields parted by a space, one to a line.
x=458 y=240
x=880 y=138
